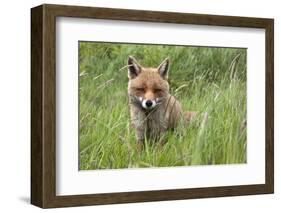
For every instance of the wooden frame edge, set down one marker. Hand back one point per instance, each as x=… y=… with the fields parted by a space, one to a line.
x=36 y=106
x=269 y=118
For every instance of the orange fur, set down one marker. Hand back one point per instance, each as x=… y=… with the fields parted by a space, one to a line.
x=151 y=85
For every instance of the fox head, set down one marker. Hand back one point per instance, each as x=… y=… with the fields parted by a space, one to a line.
x=148 y=87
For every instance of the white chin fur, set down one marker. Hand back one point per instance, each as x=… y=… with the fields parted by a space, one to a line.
x=143 y=104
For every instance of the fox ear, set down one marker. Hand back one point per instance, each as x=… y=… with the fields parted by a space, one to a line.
x=163 y=68
x=134 y=68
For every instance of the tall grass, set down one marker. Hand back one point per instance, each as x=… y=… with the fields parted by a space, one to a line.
x=203 y=79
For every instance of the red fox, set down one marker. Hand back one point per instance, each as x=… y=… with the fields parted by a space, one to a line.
x=153 y=109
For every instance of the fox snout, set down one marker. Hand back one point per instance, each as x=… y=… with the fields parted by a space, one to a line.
x=148 y=103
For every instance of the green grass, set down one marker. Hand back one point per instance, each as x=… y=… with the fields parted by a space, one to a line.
x=201 y=78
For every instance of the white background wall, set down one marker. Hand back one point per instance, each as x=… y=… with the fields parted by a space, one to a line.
x=15 y=104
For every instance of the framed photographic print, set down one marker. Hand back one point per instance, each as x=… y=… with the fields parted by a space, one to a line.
x=136 y=106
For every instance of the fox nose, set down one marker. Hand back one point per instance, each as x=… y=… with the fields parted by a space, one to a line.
x=148 y=103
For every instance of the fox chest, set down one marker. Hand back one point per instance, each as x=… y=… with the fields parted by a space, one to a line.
x=151 y=124
x=155 y=124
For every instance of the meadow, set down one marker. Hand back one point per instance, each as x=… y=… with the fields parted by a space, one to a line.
x=203 y=79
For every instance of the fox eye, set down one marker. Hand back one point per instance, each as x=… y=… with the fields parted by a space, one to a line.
x=158 y=90
x=140 y=89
